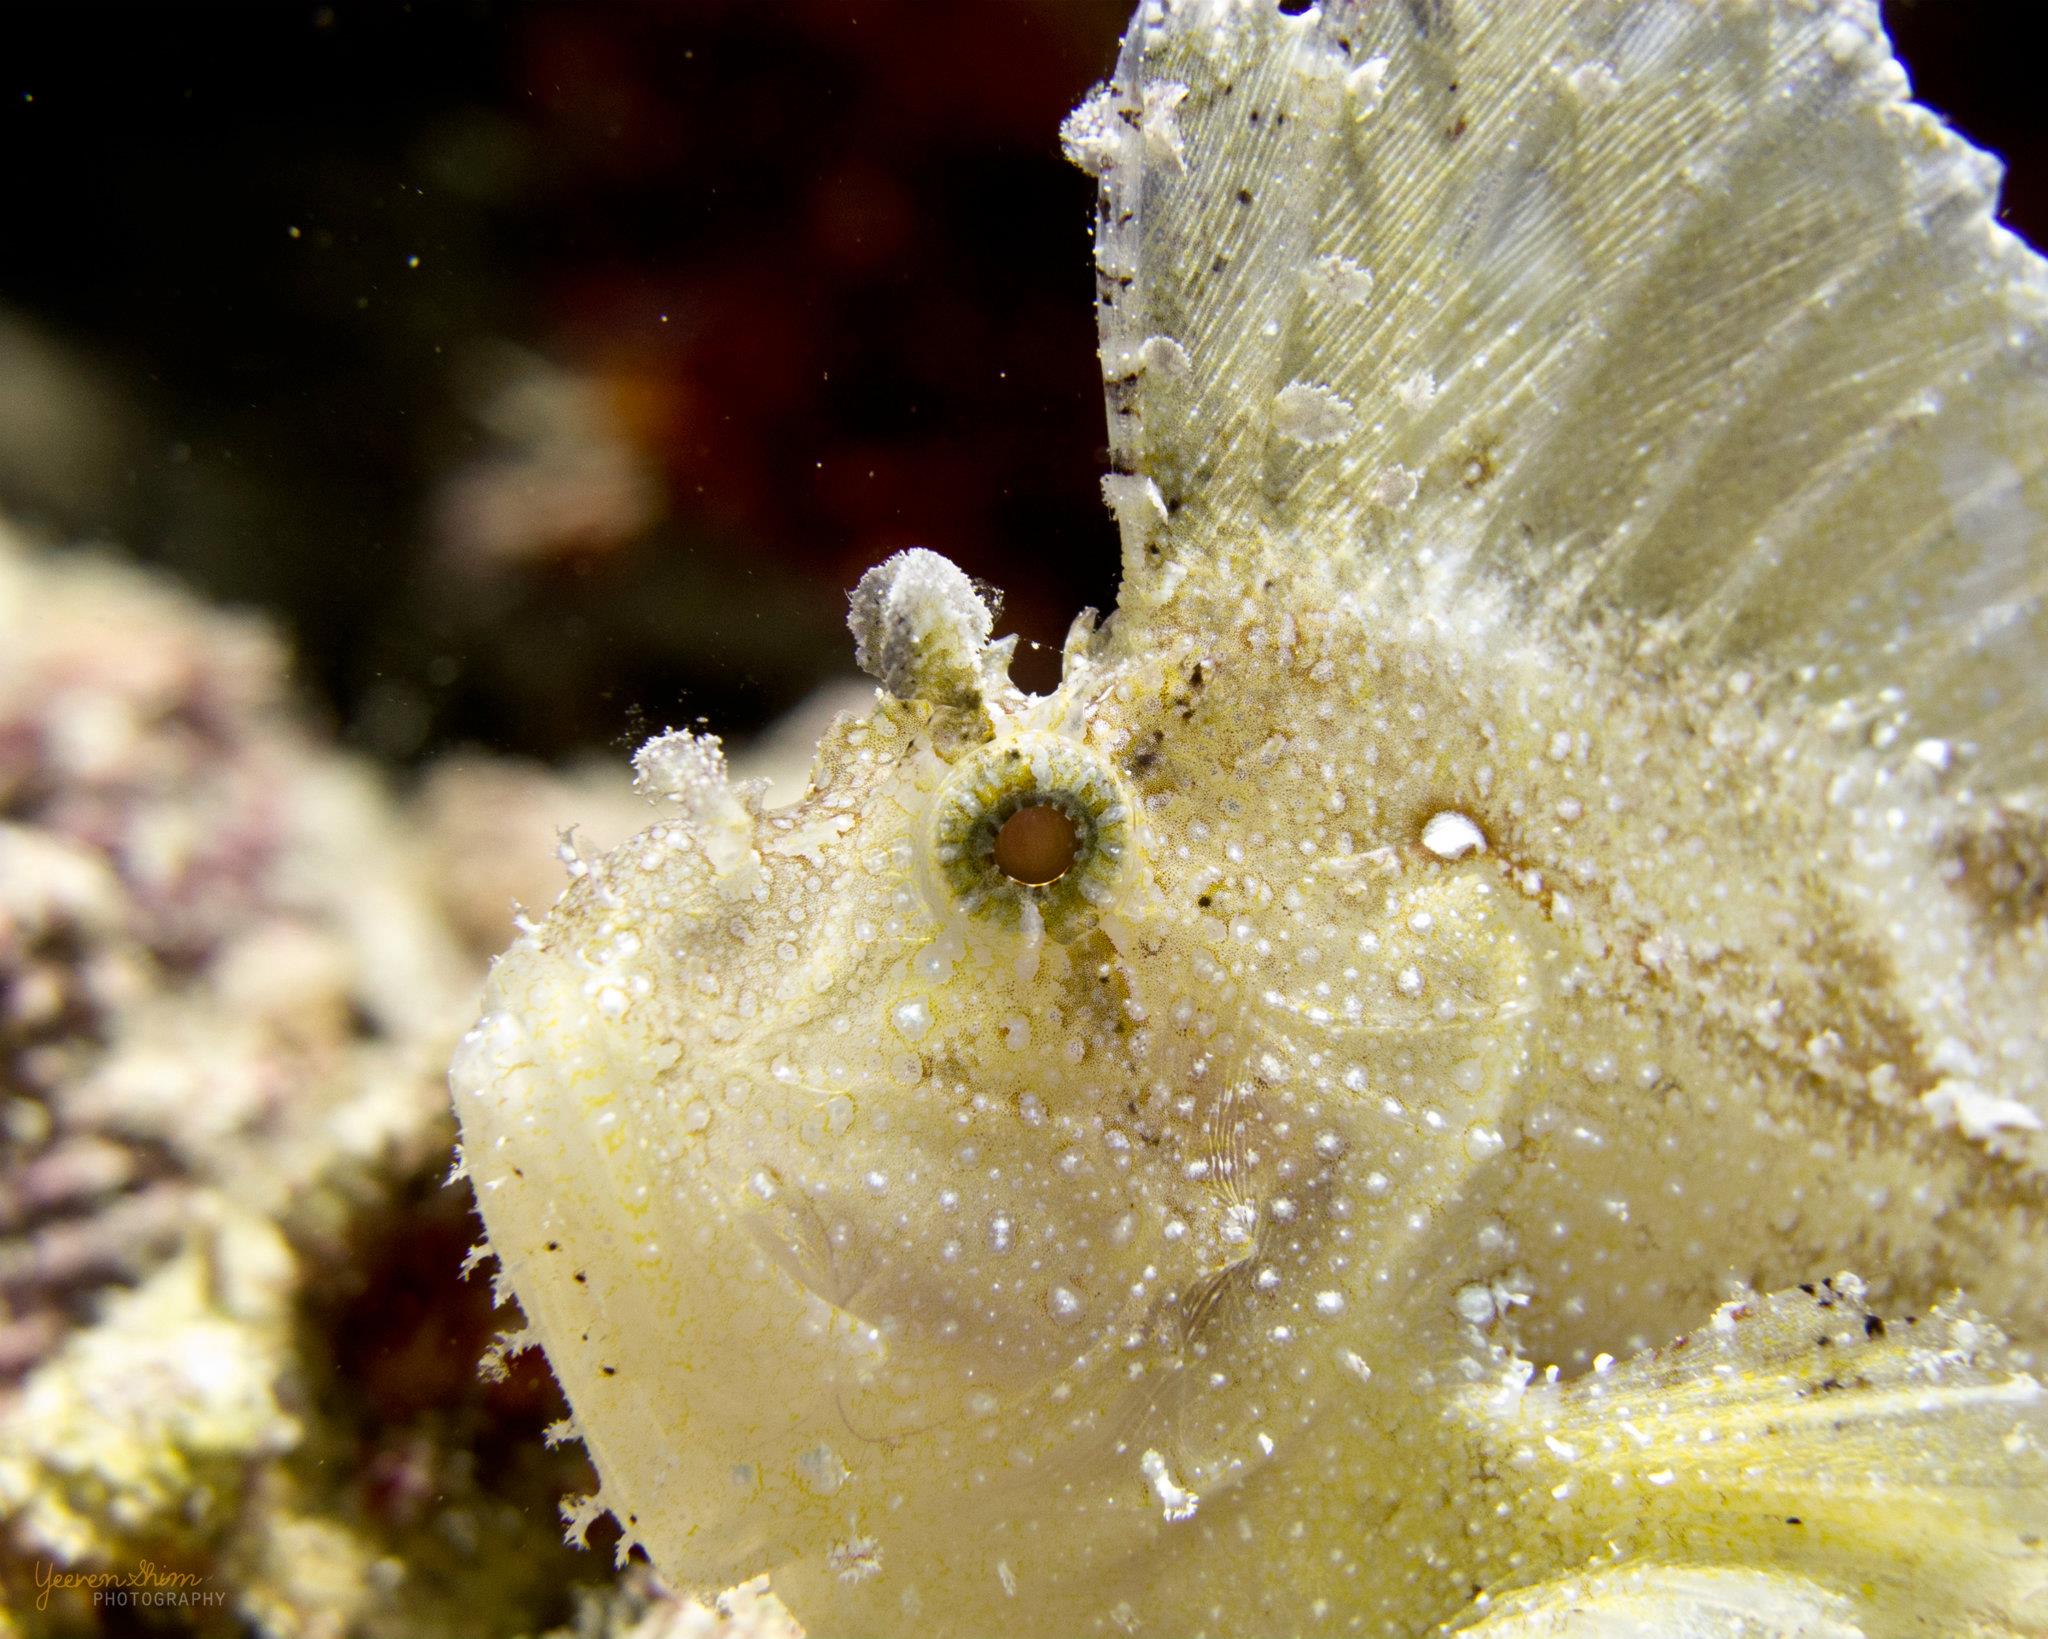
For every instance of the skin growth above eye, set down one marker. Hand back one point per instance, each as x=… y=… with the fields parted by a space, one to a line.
x=1479 y=1062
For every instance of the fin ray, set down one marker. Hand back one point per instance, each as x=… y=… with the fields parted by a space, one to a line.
x=1903 y=1465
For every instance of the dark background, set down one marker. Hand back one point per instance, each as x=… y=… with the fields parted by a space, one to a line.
x=715 y=303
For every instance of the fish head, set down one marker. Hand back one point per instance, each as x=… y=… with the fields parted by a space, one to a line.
x=1010 y=1121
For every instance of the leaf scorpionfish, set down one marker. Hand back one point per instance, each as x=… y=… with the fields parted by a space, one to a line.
x=1480 y=1062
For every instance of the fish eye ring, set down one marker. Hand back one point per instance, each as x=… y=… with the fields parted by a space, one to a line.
x=1033 y=820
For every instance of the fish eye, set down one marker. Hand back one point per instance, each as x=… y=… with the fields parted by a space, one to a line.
x=1037 y=845
x=1031 y=832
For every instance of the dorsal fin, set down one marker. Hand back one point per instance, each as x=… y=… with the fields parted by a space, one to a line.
x=1671 y=309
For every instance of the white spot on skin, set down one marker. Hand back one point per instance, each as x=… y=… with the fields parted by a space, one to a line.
x=1367 y=86
x=1163 y=356
x=689 y=771
x=1475 y=1304
x=1157 y=118
x=1395 y=488
x=1136 y=501
x=1312 y=415
x=1094 y=136
x=1417 y=392
x=1031 y=934
x=680 y=767
x=855 y=1560
x=1954 y=1102
x=1064 y=1304
x=1847 y=45
x=1450 y=835
x=1593 y=84
x=1175 y=1501
x=912 y=1019
x=1338 y=279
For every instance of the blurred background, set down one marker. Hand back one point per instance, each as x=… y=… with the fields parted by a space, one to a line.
x=549 y=371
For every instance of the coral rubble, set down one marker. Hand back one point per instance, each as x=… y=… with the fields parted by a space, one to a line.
x=238 y=1384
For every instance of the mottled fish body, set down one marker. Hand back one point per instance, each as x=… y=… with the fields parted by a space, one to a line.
x=1480 y=1061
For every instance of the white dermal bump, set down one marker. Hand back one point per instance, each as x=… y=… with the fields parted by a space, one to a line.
x=1176 y=1502
x=1310 y=413
x=921 y=629
x=1451 y=835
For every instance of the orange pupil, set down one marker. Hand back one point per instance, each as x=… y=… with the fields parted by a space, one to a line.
x=1036 y=845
